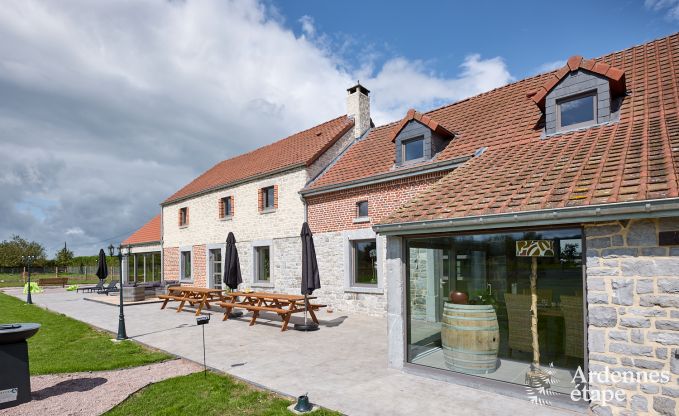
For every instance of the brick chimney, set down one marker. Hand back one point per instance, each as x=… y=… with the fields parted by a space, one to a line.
x=358 y=108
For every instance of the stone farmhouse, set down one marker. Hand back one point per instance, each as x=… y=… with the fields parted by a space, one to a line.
x=548 y=207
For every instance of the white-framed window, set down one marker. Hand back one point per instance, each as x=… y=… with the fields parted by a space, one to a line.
x=185 y=265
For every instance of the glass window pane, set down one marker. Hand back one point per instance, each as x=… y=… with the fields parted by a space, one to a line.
x=268 y=197
x=156 y=267
x=413 y=149
x=576 y=111
x=130 y=268
x=263 y=264
x=227 y=206
x=186 y=265
x=363 y=209
x=365 y=256
x=492 y=286
x=216 y=267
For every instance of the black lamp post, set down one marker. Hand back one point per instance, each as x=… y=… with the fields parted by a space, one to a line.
x=122 y=334
x=28 y=260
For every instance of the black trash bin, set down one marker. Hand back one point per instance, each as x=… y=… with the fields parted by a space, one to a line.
x=15 y=379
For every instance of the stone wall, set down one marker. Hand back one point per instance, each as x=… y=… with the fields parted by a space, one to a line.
x=247 y=223
x=633 y=308
x=334 y=266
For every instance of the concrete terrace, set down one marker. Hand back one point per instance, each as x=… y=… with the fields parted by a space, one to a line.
x=343 y=366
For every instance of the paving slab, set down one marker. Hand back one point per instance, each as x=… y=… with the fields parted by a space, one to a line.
x=343 y=366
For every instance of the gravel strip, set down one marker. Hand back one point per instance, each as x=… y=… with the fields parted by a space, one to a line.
x=94 y=392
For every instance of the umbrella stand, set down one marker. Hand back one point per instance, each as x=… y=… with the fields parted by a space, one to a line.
x=306 y=326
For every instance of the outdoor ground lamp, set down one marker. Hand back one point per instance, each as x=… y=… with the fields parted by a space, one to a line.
x=122 y=334
x=28 y=261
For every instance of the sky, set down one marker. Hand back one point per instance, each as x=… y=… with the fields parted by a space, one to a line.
x=109 y=107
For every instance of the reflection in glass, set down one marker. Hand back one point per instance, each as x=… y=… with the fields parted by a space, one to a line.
x=490 y=336
x=364 y=258
x=413 y=149
x=578 y=110
x=263 y=264
x=216 y=267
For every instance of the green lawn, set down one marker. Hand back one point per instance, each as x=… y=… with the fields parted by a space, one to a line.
x=64 y=345
x=199 y=395
x=15 y=280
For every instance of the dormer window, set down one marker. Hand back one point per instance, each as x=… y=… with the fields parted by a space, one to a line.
x=577 y=111
x=582 y=94
x=418 y=138
x=413 y=149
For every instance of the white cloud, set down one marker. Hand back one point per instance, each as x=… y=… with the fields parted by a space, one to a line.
x=401 y=84
x=669 y=7
x=308 y=27
x=550 y=66
x=106 y=108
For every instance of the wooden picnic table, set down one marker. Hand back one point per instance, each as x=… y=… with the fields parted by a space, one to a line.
x=280 y=303
x=201 y=296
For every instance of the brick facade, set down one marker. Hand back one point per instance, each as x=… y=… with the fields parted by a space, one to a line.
x=198 y=264
x=335 y=211
x=632 y=297
x=171 y=263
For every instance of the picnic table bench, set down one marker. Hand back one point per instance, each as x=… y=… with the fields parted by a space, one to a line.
x=53 y=281
x=200 y=296
x=279 y=303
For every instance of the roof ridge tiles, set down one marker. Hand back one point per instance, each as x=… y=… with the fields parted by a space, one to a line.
x=629 y=160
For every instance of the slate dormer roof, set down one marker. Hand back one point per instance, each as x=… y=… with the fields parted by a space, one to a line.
x=425 y=120
x=635 y=159
x=615 y=76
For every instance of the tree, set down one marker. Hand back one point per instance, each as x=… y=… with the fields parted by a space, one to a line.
x=11 y=252
x=64 y=257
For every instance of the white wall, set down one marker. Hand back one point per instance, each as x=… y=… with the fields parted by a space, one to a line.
x=247 y=223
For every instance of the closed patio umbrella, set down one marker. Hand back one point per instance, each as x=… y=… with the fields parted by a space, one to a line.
x=310 y=277
x=102 y=268
x=232 y=276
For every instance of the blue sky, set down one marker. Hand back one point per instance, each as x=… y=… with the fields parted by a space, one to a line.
x=526 y=34
x=113 y=106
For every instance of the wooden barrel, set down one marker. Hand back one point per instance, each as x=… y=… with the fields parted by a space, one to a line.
x=471 y=337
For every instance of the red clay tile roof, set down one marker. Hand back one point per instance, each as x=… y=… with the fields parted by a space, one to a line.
x=302 y=148
x=148 y=233
x=615 y=75
x=635 y=159
x=426 y=120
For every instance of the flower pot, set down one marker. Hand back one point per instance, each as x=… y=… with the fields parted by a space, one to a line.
x=460 y=298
